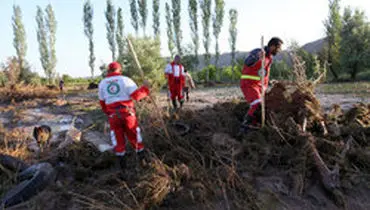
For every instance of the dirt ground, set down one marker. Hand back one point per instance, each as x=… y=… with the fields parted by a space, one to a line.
x=273 y=187
x=204 y=97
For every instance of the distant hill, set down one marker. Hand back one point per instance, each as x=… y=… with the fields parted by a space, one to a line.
x=315 y=46
x=225 y=58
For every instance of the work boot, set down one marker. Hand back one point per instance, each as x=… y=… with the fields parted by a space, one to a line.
x=174 y=103
x=122 y=162
x=248 y=124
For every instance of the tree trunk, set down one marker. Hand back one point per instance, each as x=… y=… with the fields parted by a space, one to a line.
x=354 y=71
x=233 y=73
x=331 y=68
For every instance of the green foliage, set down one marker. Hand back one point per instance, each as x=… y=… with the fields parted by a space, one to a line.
x=333 y=27
x=217 y=24
x=312 y=63
x=355 y=42
x=205 y=5
x=43 y=44
x=193 y=14
x=34 y=79
x=29 y=76
x=149 y=56
x=210 y=70
x=51 y=25
x=89 y=31
x=188 y=59
x=119 y=35
x=229 y=75
x=169 y=21
x=66 y=78
x=176 y=21
x=156 y=22
x=233 y=15
x=233 y=73
x=3 y=79
x=189 y=62
x=103 y=68
x=143 y=10
x=110 y=15
x=280 y=70
x=46 y=36
x=134 y=16
x=10 y=72
x=19 y=41
x=70 y=81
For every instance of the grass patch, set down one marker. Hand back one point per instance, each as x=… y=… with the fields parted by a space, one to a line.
x=345 y=88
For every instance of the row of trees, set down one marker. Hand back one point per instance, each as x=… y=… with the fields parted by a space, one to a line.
x=348 y=37
x=47 y=26
x=17 y=68
x=139 y=14
x=347 y=50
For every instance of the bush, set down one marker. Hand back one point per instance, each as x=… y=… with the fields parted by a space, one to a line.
x=66 y=78
x=280 y=71
x=149 y=55
x=21 y=92
x=3 y=79
x=365 y=75
x=201 y=75
x=227 y=73
x=34 y=79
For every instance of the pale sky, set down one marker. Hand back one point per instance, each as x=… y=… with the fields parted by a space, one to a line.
x=301 y=20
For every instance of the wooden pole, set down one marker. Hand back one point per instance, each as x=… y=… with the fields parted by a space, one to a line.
x=262 y=75
x=133 y=52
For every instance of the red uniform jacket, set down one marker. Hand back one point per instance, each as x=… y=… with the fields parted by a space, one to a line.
x=252 y=65
x=174 y=81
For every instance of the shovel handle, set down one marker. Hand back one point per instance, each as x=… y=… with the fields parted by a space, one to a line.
x=262 y=75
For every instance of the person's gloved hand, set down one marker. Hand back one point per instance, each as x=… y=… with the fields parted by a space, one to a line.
x=272 y=82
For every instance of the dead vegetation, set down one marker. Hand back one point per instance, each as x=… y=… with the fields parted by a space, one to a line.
x=19 y=93
x=213 y=168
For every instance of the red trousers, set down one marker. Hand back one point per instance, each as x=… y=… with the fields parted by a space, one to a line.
x=252 y=95
x=123 y=124
x=176 y=92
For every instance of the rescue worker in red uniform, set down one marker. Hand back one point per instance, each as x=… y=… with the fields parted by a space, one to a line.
x=116 y=95
x=250 y=82
x=175 y=75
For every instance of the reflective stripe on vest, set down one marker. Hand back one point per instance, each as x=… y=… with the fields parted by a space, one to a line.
x=251 y=77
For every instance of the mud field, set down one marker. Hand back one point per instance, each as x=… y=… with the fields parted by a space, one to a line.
x=199 y=160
